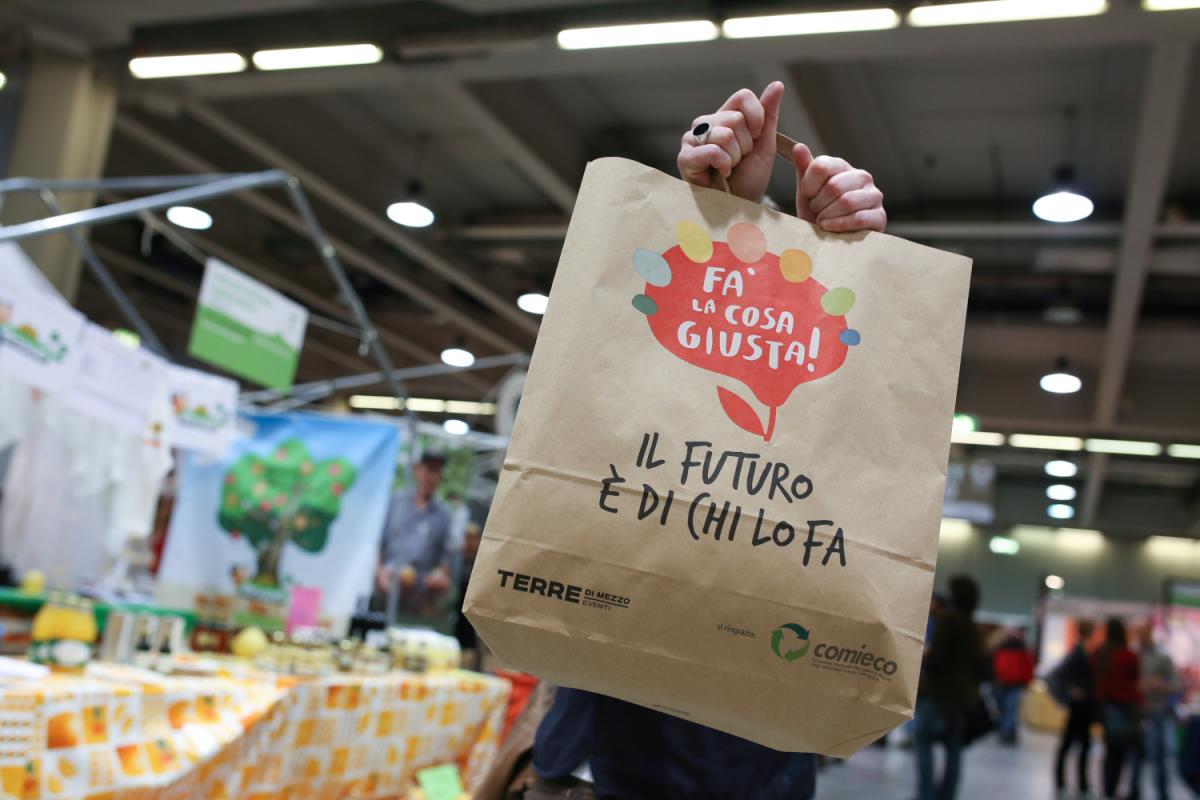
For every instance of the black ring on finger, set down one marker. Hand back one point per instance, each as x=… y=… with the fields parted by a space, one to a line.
x=701 y=132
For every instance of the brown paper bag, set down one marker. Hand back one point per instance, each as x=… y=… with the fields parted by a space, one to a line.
x=724 y=488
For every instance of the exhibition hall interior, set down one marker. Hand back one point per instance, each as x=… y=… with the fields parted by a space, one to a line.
x=573 y=400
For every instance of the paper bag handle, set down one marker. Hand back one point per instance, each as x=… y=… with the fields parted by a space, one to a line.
x=783 y=149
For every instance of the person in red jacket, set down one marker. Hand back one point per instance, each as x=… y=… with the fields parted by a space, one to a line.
x=1115 y=670
x=1012 y=667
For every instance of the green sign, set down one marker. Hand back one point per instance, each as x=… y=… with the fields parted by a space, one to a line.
x=247 y=328
x=441 y=782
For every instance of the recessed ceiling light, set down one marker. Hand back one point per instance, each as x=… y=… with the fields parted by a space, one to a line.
x=1062 y=469
x=1004 y=546
x=457 y=357
x=1060 y=511
x=533 y=303
x=185 y=65
x=338 y=55
x=456 y=427
x=3 y=80
x=189 y=217
x=696 y=30
x=1061 y=492
x=1055 y=583
x=410 y=214
x=1061 y=380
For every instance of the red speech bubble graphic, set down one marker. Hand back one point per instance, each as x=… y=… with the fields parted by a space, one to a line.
x=737 y=310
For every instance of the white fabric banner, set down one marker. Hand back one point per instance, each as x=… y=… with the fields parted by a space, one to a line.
x=39 y=332
x=203 y=410
x=115 y=383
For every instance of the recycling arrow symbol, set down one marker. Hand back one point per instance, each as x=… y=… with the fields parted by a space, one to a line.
x=777 y=642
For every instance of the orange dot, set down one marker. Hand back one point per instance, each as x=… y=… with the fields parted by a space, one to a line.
x=795 y=265
x=747 y=242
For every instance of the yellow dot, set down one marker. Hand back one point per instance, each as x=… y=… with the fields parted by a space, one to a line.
x=795 y=265
x=694 y=241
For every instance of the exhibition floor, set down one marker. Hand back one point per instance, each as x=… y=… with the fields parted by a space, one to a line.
x=990 y=772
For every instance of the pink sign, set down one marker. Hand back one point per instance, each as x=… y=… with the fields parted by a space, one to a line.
x=304 y=608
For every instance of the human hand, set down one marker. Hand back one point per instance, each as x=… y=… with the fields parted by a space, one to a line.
x=835 y=196
x=383 y=578
x=739 y=143
x=437 y=581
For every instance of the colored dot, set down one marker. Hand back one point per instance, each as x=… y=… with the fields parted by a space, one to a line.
x=747 y=243
x=750 y=270
x=652 y=267
x=811 y=367
x=645 y=305
x=837 y=301
x=694 y=241
x=795 y=265
x=849 y=337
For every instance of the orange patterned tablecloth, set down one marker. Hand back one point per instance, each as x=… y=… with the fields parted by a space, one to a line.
x=346 y=736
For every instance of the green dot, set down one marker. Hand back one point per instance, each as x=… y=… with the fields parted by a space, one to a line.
x=837 y=301
x=645 y=305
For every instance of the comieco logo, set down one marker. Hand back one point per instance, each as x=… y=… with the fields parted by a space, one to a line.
x=784 y=646
x=791 y=643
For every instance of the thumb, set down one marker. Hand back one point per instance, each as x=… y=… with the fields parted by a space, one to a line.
x=803 y=159
x=771 y=99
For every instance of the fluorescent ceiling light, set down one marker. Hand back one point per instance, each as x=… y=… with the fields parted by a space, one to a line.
x=457 y=357
x=1063 y=206
x=1169 y=5
x=866 y=19
x=3 y=80
x=410 y=214
x=1002 y=11
x=456 y=427
x=1060 y=511
x=533 y=303
x=1004 y=546
x=421 y=405
x=984 y=438
x=1122 y=447
x=696 y=30
x=1038 y=442
x=183 y=66
x=1060 y=491
x=1184 y=450
x=189 y=217
x=1079 y=540
x=338 y=55
x=1062 y=469
x=1055 y=583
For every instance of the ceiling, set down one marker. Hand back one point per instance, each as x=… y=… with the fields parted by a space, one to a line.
x=961 y=127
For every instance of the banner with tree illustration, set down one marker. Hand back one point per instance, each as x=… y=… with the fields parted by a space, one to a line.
x=300 y=503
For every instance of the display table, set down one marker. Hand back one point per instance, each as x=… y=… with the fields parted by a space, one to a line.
x=258 y=738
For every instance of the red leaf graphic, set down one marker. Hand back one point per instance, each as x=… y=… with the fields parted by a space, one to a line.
x=740 y=412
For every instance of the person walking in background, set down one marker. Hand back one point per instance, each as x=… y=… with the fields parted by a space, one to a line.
x=1071 y=685
x=1012 y=666
x=948 y=690
x=1158 y=684
x=1116 y=669
x=414 y=554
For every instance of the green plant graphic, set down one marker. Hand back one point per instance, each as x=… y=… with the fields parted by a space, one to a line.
x=284 y=497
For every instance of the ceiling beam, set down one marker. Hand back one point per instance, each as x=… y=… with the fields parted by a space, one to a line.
x=350 y=255
x=1163 y=101
x=524 y=146
x=425 y=254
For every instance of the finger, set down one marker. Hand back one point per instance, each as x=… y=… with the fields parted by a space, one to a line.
x=854 y=200
x=874 y=219
x=819 y=171
x=734 y=120
x=747 y=102
x=803 y=158
x=727 y=140
x=696 y=162
x=837 y=186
